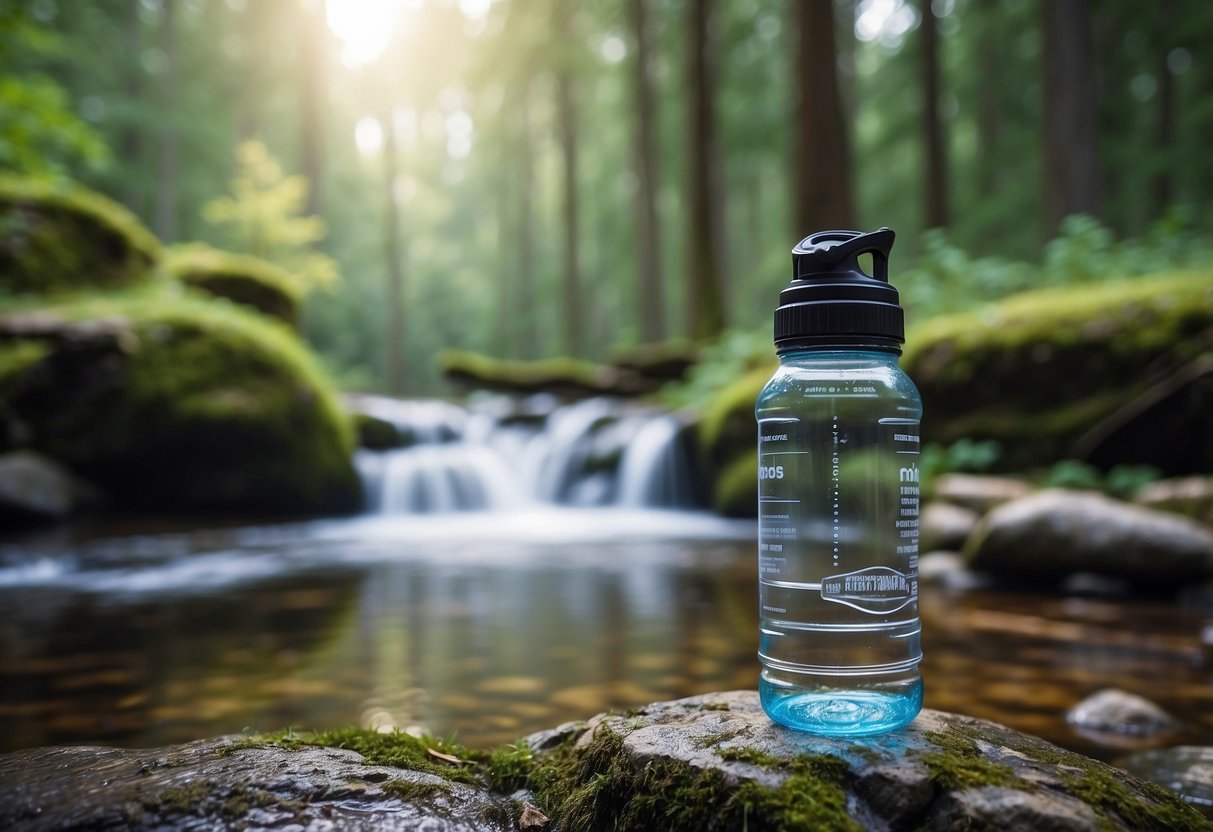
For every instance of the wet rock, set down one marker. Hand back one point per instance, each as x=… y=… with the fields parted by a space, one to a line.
x=1189 y=496
x=203 y=786
x=1118 y=712
x=1054 y=533
x=36 y=489
x=979 y=494
x=947 y=569
x=721 y=764
x=1187 y=769
x=712 y=762
x=945 y=526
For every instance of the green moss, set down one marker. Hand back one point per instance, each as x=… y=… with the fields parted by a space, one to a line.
x=510 y=767
x=409 y=790
x=17 y=357
x=59 y=237
x=736 y=490
x=554 y=374
x=730 y=415
x=181 y=799
x=187 y=403
x=249 y=281
x=1109 y=796
x=377 y=434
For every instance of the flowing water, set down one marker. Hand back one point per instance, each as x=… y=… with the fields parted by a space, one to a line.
x=524 y=609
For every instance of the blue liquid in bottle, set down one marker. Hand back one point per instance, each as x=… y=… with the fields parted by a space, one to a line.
x=838 y=501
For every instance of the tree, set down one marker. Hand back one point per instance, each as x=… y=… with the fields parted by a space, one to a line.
x=705 y=297
x=650 y=295
x=528 y=342
x=566 y=117
x=166 y=180
x=311 y=74
x=393 y=255
x=264 y=216
x=1070 y=130
x=934 y=137
x=822 y=158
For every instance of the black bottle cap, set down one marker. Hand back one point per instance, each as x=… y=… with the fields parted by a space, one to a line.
x=831 y=301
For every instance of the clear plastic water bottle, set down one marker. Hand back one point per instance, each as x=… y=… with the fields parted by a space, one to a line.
x=838 y=450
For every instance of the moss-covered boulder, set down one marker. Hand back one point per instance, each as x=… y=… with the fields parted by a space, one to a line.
x=176 y=403
x=712 y=762
x=57 y=237
x=1040 y=372
x=240 y=278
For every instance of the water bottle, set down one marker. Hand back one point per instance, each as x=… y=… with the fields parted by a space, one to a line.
x=838 y=448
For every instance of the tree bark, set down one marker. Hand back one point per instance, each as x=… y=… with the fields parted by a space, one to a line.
x=525 y=302
x=989 y=122
x=312 y=101
x=1164 y=121
x=934 y=138
x=648 y=233
x=1071 y=134
x=705 y=301
x=566 y=117
x=394 y=259
x=166 y=180
x=130 y=145
x=822 y=162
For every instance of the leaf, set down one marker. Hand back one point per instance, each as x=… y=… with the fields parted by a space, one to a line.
x=532 y=818
x=450 y=758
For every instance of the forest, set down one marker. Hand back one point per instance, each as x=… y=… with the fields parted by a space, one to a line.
x=538 y=178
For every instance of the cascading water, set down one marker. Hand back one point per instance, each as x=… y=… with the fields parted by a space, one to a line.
x=495 y=455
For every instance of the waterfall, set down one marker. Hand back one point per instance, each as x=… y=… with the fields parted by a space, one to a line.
x=498 y=453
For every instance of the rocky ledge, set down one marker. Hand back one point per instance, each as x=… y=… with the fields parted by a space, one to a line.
x=704 y=763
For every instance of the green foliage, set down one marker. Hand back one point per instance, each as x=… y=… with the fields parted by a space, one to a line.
x=1123 y=481
x=56 y=236
x=144 y=386
x=733 y=355
x=962 y=456
x=240 y=278
x=264 y=217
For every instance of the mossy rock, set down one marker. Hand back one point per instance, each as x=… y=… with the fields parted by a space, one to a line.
x=240 y=278
x=567 y=377
x=736 y=491
x=1040 y=370
x=57 y=237
x=665 y=361
x=177 y=403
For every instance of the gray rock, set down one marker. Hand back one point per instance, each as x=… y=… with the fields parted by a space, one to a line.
x=199 y=786
x=1187 y=769
x=34 y=488
x=712 y=762
x=947 y=569
x=1189 y=496
x=1055 y=533
x=1118 y=713
x=945 y=526
x=979 y=493
x=942 y=772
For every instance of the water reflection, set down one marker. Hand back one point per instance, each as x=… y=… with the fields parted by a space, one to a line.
x=163 y=639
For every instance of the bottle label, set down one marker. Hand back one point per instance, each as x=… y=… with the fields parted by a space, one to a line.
x=877 y=589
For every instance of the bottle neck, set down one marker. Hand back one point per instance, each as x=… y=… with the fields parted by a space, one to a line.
x=874 y=353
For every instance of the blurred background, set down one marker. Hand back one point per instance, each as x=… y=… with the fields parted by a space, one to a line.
x=481 y=291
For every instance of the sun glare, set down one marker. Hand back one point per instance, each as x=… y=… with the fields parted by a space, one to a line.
x=364 y=28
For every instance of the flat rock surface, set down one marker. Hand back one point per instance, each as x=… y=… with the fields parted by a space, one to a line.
x=199 y=786
x=1055 y=533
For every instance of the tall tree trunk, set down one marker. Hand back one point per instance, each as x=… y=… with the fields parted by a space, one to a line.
x=1164 y=121
x=648 y=234
x=1071 y=134
x=566 y=117
x=312 y=101
x=822 y=162
x=934 y=139
x=705 y=300
x=166 y=180
x=527 y=333
x=394 y=258
x=989 y=124
x=130 y=145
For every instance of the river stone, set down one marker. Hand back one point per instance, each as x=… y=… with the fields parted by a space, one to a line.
x=1190 y=496
x=1116 y=711
x=979 y=493
x=1187 y=769
x=942 y=772
x=34 y=488
x=1055 y=533
x=198 y=786
x=945 y=526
